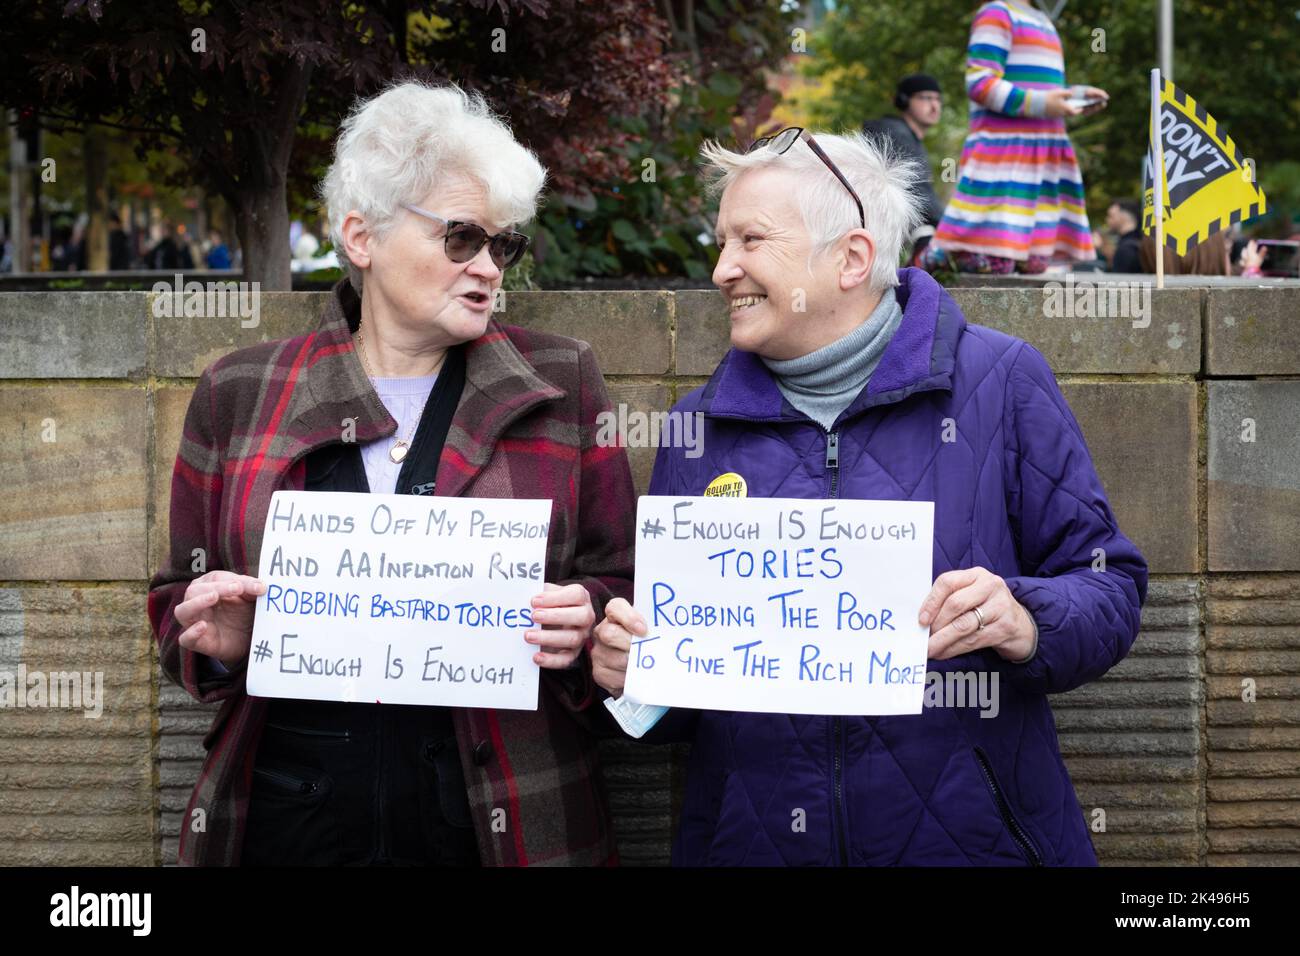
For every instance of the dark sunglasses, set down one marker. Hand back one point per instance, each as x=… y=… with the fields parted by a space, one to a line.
x=463 y=240
x=784 y=139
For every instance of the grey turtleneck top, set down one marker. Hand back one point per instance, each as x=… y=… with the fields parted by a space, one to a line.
x=823 y=383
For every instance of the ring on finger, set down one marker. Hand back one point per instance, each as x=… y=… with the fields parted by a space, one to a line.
x=979 y=616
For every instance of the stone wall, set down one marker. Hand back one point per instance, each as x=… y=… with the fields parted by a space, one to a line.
x=1189 y=750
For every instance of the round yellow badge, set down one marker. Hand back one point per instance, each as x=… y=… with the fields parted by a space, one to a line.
x=730 y=485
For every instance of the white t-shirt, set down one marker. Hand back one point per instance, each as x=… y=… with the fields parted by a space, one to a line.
x=405 y=399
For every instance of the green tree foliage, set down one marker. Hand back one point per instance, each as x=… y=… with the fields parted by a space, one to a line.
x=247 y=96
x=648 y=219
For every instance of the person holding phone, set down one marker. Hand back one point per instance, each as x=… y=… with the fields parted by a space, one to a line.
x=1271 y=257
x=1019 y=201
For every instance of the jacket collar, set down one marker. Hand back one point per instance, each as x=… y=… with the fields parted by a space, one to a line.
x=920 y=357
x=500 y=387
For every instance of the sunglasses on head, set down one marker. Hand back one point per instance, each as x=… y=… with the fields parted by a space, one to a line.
x=783 y=139
x=463 y=240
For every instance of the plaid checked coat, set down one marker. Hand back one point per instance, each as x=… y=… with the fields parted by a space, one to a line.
x=524 y=427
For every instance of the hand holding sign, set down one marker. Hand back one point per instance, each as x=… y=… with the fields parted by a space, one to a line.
x=566 y=616
x=614 y=637
x=955 y=628
x=218 y=615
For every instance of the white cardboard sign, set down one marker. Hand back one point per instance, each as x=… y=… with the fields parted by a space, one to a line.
x=782 y=605
x=399 y=599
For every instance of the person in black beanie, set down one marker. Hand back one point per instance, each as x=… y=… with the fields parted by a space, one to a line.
x=919 y=101
x=119 y=246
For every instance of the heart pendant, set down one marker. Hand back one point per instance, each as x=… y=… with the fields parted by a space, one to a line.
x=398 y=451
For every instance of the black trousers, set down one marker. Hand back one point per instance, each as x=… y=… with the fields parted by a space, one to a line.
x=346 y=784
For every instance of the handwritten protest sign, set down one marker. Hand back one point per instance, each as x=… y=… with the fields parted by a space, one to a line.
x=782 y=605
x=399 y=599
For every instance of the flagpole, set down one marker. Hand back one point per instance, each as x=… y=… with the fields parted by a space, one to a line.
x=1157 y=178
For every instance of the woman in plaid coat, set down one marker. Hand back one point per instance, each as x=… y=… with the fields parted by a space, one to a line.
x=425 y=186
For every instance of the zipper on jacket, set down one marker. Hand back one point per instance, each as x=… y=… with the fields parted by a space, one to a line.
x=837 y=775
x=837 y=723
x=288 y=781
x=1018 y=832
x=308 y=732
x=833 y=461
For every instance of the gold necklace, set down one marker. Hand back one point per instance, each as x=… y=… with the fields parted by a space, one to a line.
x=401 y=446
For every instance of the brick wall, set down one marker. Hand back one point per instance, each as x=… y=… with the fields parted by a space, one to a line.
x=1190 y=747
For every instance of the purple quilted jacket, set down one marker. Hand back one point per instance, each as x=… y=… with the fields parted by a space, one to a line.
x=1015 y=491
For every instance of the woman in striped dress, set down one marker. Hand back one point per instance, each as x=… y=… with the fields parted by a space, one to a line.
x=1019 y=201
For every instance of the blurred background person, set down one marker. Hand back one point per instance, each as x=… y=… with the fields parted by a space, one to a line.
x=186 y=248
x=919 y=100
x=1020 y=200
x=1124 y=220
x=77 y=247
x=218 y=255
x=61 y=250
x=164 y=253
x=1209 y=257
x=119 y=246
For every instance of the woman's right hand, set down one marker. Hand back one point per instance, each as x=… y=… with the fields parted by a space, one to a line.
x=609 y=652
x=1058 y=106
x=217 y=614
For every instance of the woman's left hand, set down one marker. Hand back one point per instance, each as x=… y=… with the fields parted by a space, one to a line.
x=565 y=616
x=954 y=626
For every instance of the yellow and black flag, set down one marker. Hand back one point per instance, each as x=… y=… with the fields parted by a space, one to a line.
x=1207 y=184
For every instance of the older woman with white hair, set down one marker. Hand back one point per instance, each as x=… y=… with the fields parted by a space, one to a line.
x=850 y=378
x=408 y=385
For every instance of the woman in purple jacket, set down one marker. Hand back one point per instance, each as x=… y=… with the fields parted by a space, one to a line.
x=850 y=378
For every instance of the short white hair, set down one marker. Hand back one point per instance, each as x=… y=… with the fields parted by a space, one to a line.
x=401 y=144
x=884 y=180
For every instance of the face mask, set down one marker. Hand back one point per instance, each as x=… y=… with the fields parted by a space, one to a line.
x=635 y=719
